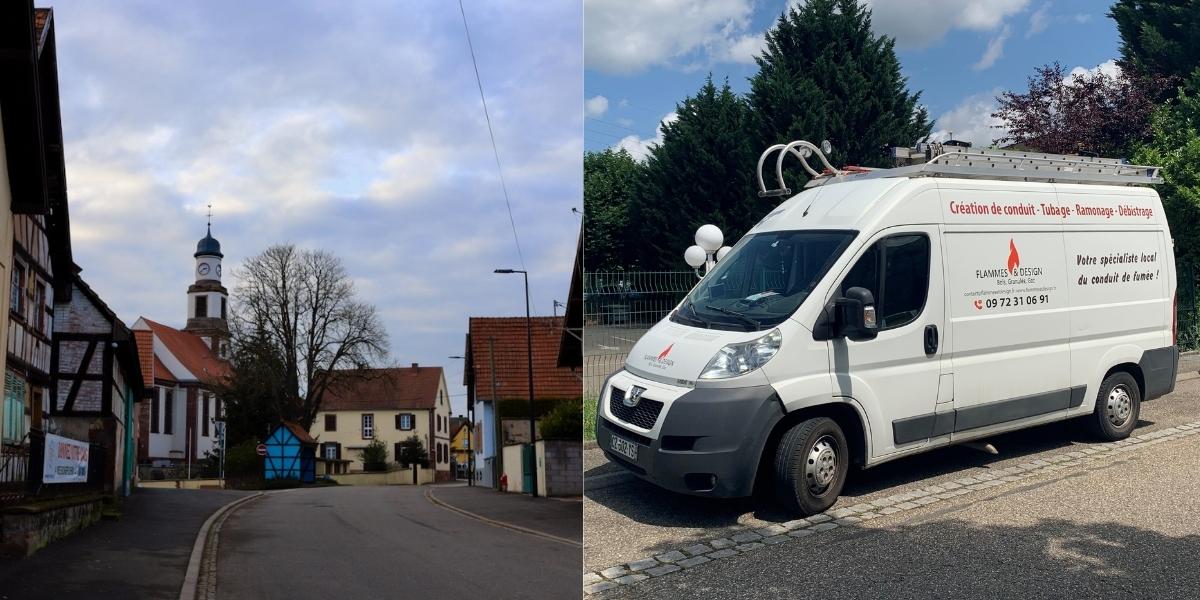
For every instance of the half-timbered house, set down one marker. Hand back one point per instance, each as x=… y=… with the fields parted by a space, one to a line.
x=97 y=381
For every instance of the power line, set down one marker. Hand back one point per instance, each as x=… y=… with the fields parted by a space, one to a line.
x=495 y=150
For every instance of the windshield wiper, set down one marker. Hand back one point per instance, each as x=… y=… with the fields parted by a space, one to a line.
x=696 y=316
x=734 y=313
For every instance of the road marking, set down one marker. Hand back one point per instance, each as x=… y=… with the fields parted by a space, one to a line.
x=527 y=531
x=191 y=577
x=749 y=539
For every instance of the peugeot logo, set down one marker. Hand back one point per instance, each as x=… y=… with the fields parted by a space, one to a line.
x=633 y=396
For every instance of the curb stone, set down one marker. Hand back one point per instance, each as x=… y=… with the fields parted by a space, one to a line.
x=200 y=579
x=749 y=540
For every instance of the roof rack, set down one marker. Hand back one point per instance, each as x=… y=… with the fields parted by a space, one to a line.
x=944 y=160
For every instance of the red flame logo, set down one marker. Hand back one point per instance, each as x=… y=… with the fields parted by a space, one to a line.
x=1014 y=259
x=666 y=352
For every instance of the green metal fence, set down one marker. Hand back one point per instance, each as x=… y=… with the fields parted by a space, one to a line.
x=618 y=307
x=1187 y=317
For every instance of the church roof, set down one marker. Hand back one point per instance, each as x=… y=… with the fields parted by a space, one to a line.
x=191 y=351
x=208 y=246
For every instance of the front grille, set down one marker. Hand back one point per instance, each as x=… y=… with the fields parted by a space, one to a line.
x=644 y=415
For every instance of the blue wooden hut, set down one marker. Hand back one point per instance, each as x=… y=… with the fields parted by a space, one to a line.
x=291 y=454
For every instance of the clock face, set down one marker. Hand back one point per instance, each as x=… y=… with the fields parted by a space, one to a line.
x=202 y=269
x=218 y=270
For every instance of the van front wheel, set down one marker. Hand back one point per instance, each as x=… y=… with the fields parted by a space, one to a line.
x=1117 y=407
x=811 y=462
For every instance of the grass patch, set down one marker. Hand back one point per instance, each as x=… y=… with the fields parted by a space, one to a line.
x=589 y=419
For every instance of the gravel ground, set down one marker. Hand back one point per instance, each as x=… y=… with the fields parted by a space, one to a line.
x=1122 y=527
x=633 y=519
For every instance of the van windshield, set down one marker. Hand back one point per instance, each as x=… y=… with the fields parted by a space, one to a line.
x=763 y=280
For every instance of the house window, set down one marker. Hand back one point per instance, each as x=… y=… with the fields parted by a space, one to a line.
x=204 y=420
x=169 y=413
x=404 y=422
x=155 y=412
x=39 y=307
x=330 y=422
x=201 y=306
x=17 y=298
x=368 y=426
x=14 y=409
x=331 y=451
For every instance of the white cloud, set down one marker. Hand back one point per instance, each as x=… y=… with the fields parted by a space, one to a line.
x=638 y=146
x=629 y=36
x=595 y=106
x=242 y=106
x=745 y=48
x=1108 y=67
x=993 y=52
x=1039 y=20
x=971 y=120
x=923 y=23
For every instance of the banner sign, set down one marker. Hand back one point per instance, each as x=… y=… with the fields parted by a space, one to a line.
x=66 y=460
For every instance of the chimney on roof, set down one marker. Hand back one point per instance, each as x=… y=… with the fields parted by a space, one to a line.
x=414 y=365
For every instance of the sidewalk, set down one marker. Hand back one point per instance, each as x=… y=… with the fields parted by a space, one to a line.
x=559 y=518
x=143 y=555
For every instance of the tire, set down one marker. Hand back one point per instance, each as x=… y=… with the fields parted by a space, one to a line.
x=1118 y=404
x=811 y=462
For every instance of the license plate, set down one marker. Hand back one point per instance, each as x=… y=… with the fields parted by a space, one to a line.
x=625 y=448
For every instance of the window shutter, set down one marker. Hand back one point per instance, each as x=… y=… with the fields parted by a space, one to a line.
x=396 y=450
x=397 y=421
x=339 y=450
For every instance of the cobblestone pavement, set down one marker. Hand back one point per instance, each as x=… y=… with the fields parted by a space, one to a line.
x=635 y=532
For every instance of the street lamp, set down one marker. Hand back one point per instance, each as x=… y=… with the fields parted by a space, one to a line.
x=470 y=435
x=529 y=351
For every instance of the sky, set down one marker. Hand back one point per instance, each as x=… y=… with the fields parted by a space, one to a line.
x=644 y=56
x=353 y=127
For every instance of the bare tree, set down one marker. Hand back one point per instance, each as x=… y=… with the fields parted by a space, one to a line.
x=304 y=302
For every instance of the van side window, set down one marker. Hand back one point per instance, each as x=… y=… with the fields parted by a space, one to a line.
x=896 y=271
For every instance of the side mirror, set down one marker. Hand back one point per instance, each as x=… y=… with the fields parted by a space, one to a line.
x=856 y=318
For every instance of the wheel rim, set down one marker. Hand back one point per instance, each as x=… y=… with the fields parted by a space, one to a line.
x=1120 y=406
x=820 y=466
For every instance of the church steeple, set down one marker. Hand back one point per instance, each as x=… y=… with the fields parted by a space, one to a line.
x=207 y=299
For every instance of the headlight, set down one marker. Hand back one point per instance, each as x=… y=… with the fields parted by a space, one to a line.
x=739 y=359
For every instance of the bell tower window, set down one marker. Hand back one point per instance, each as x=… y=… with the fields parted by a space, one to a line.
x=201 y=306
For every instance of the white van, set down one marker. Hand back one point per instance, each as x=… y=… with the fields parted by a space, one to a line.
x=884 y=313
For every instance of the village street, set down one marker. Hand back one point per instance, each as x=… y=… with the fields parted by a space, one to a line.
x=1054 y=510
x=399 y=542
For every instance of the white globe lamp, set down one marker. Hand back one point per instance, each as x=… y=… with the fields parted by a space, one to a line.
x=722 y=252
x=695 y=256
x=709 y=238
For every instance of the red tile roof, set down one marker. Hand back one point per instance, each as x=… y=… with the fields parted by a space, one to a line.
x=299 y=432
x=512 y=373
x=190 y=350
x=384 y=389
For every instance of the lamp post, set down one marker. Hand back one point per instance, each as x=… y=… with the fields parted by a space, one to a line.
x=529 y=356
x=470 y=434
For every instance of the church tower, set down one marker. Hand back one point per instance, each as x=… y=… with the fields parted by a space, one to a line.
x=207 y=299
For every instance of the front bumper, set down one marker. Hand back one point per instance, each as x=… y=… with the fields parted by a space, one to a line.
x=709 y=440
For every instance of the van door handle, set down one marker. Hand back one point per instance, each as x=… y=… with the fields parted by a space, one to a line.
x=931 y=340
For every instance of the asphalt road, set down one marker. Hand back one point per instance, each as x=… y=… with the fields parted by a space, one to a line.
x=382 y=542
x=633 y=520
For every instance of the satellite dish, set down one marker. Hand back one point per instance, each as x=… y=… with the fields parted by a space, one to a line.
x=826 y=147
x=695 y=256
x=722 y=252
x=709 y=238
